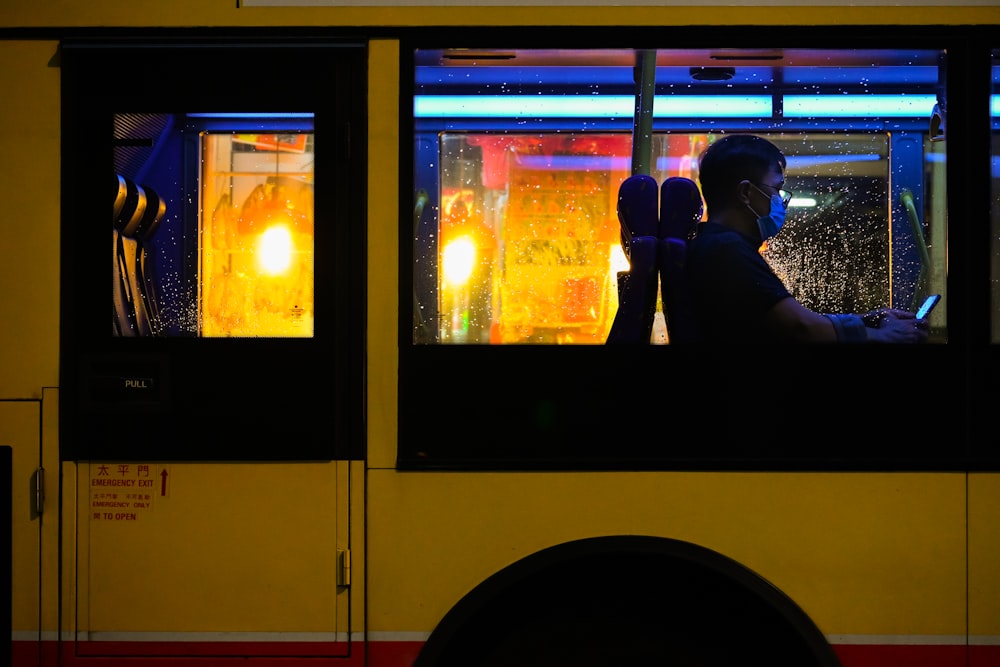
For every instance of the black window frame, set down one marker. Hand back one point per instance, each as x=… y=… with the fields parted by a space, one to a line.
x=539 y=407
x=215 y=399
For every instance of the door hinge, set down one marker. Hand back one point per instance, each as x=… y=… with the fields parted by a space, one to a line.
x=344 y=568
x=38 y=492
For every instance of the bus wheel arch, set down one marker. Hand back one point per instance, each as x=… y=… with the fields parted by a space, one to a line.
x=621 y=600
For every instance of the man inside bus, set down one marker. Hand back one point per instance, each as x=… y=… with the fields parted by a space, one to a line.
x=735 y=294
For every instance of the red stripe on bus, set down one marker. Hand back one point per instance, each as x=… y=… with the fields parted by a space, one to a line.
x=901 y=655
x=393 y=654
x=984 y=655
x=404 y=653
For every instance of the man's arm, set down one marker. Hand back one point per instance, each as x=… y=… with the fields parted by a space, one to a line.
x=790 y=321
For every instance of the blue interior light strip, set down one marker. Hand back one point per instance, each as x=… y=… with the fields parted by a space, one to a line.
x=715 y=106
x=536 y=106
x=588 y=106
x=858 y=106
x=672 y=106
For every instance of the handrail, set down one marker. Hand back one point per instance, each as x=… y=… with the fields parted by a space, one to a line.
x=642 y=129
x=919 y=292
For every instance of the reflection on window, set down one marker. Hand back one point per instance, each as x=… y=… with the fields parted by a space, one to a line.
x=211 y=237
x=848 y=219
x=257 y=235
x=519 y=156
x=528 y=235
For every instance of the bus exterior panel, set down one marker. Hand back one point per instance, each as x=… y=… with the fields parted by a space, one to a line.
x=984 y=539
x=815 y=549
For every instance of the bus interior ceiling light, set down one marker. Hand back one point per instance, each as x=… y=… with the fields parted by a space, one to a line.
x=670 y=106
x=810 y=106
x=580 y=106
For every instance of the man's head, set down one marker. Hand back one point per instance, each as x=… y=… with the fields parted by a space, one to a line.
x=740 y=171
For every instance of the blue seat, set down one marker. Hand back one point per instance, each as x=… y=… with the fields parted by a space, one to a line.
x=638 y=215
x=656 y=224
x=680 y=213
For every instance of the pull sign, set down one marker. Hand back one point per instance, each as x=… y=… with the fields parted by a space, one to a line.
x=137 y=384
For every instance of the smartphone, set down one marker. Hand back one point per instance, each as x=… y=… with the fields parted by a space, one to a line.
x=928 y=305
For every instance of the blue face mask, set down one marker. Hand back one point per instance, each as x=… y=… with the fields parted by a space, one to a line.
x=771 y=223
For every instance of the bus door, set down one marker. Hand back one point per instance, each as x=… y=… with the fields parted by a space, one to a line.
x=211 y=422
x=20 y=464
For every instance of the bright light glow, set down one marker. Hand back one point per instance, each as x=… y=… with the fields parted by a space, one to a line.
x=588 y=106
x=674 y=106
x=539 y=106
x=859 y=106
x=804 y=161
x=458 y=259
x=619 y=262
x=802 y=202
x=712 y=106
x=275 y=250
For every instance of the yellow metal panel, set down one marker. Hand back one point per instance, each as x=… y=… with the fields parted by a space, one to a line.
x=29 y=190
x=226 y=12
x=861 y=553
x=51 y=517
x=69 y=590
x=383 y=252
x=984 y=545
x=248 y=547
x=19 y=430
x=355 y=493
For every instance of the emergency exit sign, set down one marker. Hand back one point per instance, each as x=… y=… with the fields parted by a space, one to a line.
x=126 y=491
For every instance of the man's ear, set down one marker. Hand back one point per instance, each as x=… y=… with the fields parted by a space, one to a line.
x=743 y=191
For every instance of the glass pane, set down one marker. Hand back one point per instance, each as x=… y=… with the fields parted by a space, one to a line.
x=257 y=235
x=529 y=237
x=213 y=230
x=518 y=161
x=847 y=218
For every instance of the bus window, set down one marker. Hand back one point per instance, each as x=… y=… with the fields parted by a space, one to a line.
x=240 y=262
x=256 y=226
x=517 y=169
x=838 y=254
x=237 y=260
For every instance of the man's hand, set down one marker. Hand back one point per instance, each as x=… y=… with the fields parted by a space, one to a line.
x=889 y=325
x=876 y=318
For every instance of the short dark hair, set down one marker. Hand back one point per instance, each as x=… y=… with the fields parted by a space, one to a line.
x=732 y=159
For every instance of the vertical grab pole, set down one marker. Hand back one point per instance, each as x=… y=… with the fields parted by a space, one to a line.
x=642 y=128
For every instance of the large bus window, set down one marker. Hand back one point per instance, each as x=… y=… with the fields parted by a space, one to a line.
x=519 y=156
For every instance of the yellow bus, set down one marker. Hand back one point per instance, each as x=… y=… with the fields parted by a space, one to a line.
x=356 y=405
